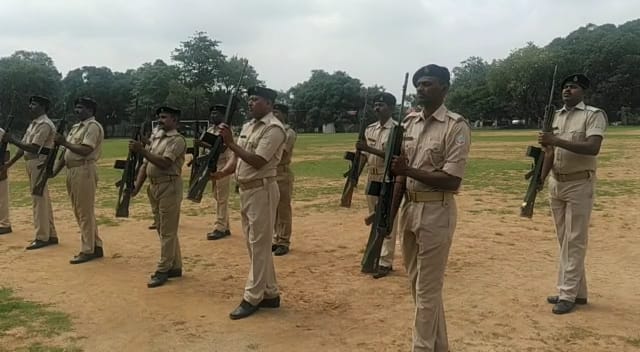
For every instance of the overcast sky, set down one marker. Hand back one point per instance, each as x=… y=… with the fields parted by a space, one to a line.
x=373 y=40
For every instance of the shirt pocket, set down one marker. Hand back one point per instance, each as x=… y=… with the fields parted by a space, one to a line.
x=577 y=135
x=409 y=144
x=435 y=153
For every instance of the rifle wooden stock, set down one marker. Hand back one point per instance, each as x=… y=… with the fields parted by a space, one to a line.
x=46 y=169
x=535 y=174
x=354 y=158
x=385 y=214
x=126 y=185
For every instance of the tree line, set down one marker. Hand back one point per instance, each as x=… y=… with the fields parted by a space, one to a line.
x=200 y=74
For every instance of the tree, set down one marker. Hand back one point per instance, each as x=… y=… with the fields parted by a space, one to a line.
x=326 y=97
x=23 y=74
x=199 y=61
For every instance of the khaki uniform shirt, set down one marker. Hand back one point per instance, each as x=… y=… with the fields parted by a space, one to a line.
x=287 y=152
x=171 y=145
x=377 y=136
x=41 y=132
x=577 y=124
x=437 y=142
x=88 y=132
x=266 y=138
x=226 y=153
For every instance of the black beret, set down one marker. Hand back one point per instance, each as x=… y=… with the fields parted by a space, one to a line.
x=218 y=107
x=264 y=92
x=281 y=107
x=40 y=100
x=578 y=79
x=86 y=102
x=168 y=110
x=439 y=72
x=386 y=98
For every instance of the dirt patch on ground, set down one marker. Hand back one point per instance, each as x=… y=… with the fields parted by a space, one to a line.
x=500 y=270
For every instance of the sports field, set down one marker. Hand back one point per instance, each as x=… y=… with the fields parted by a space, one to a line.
x=500 y=269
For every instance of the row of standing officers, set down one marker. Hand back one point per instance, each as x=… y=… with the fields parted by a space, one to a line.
x=429 y=173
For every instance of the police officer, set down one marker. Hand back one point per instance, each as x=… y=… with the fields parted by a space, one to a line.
x=570 y=159
x=284 y=176
x=376 y=136
x=39 y=135
x=83 y=148
x=5 y=222
x=435 y=150
x=163 y=167
x=219 y=187
x=256 y=156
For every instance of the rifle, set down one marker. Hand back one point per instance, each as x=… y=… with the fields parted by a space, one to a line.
x=195 y=150
x=353 y=174
x=46 y=169
x=130 y=168
x=384 y=215
x=207 y=163
x=534 y=175
x=4 y=146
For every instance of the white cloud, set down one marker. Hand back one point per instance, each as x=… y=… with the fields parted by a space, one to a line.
x=374 y=40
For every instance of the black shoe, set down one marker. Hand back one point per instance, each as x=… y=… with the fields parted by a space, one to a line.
x=244 y=310
x=274 y=247
x=217 y=234
x=40 y=244
x=83 y=258
x=171 y=273
x=5 y=230
x=563 y=307
x=158 y=279
x=98 y=252
x=555 y=299
x=153 y=227
x=382 y=272
x=270 y=303
x=281 y=250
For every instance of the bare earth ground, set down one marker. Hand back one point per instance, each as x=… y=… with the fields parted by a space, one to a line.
x=500 y=270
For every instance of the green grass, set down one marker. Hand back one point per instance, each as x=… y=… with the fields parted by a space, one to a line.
x=37 y=321
x=497 y=165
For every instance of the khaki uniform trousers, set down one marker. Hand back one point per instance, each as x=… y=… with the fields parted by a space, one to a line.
x=81 y=186
x=282 y=235
x=389 y=243
x=220 y=190
x=571 y=204
x=42 y=210
x=427 y=232
x=165 y=198
x=4 y=203
x=258 y=211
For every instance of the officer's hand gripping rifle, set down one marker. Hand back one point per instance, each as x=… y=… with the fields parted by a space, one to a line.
x=46 y=169
x=354 y=158
x=208 y=162
x=535 y=174
x=384 y=215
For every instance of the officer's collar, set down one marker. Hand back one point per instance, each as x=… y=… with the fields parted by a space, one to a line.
x=173 y=132
x=440 y=113
x=580 y=106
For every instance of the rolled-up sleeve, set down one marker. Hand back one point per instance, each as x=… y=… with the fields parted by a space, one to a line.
x=272 y=140
x=457 y=152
